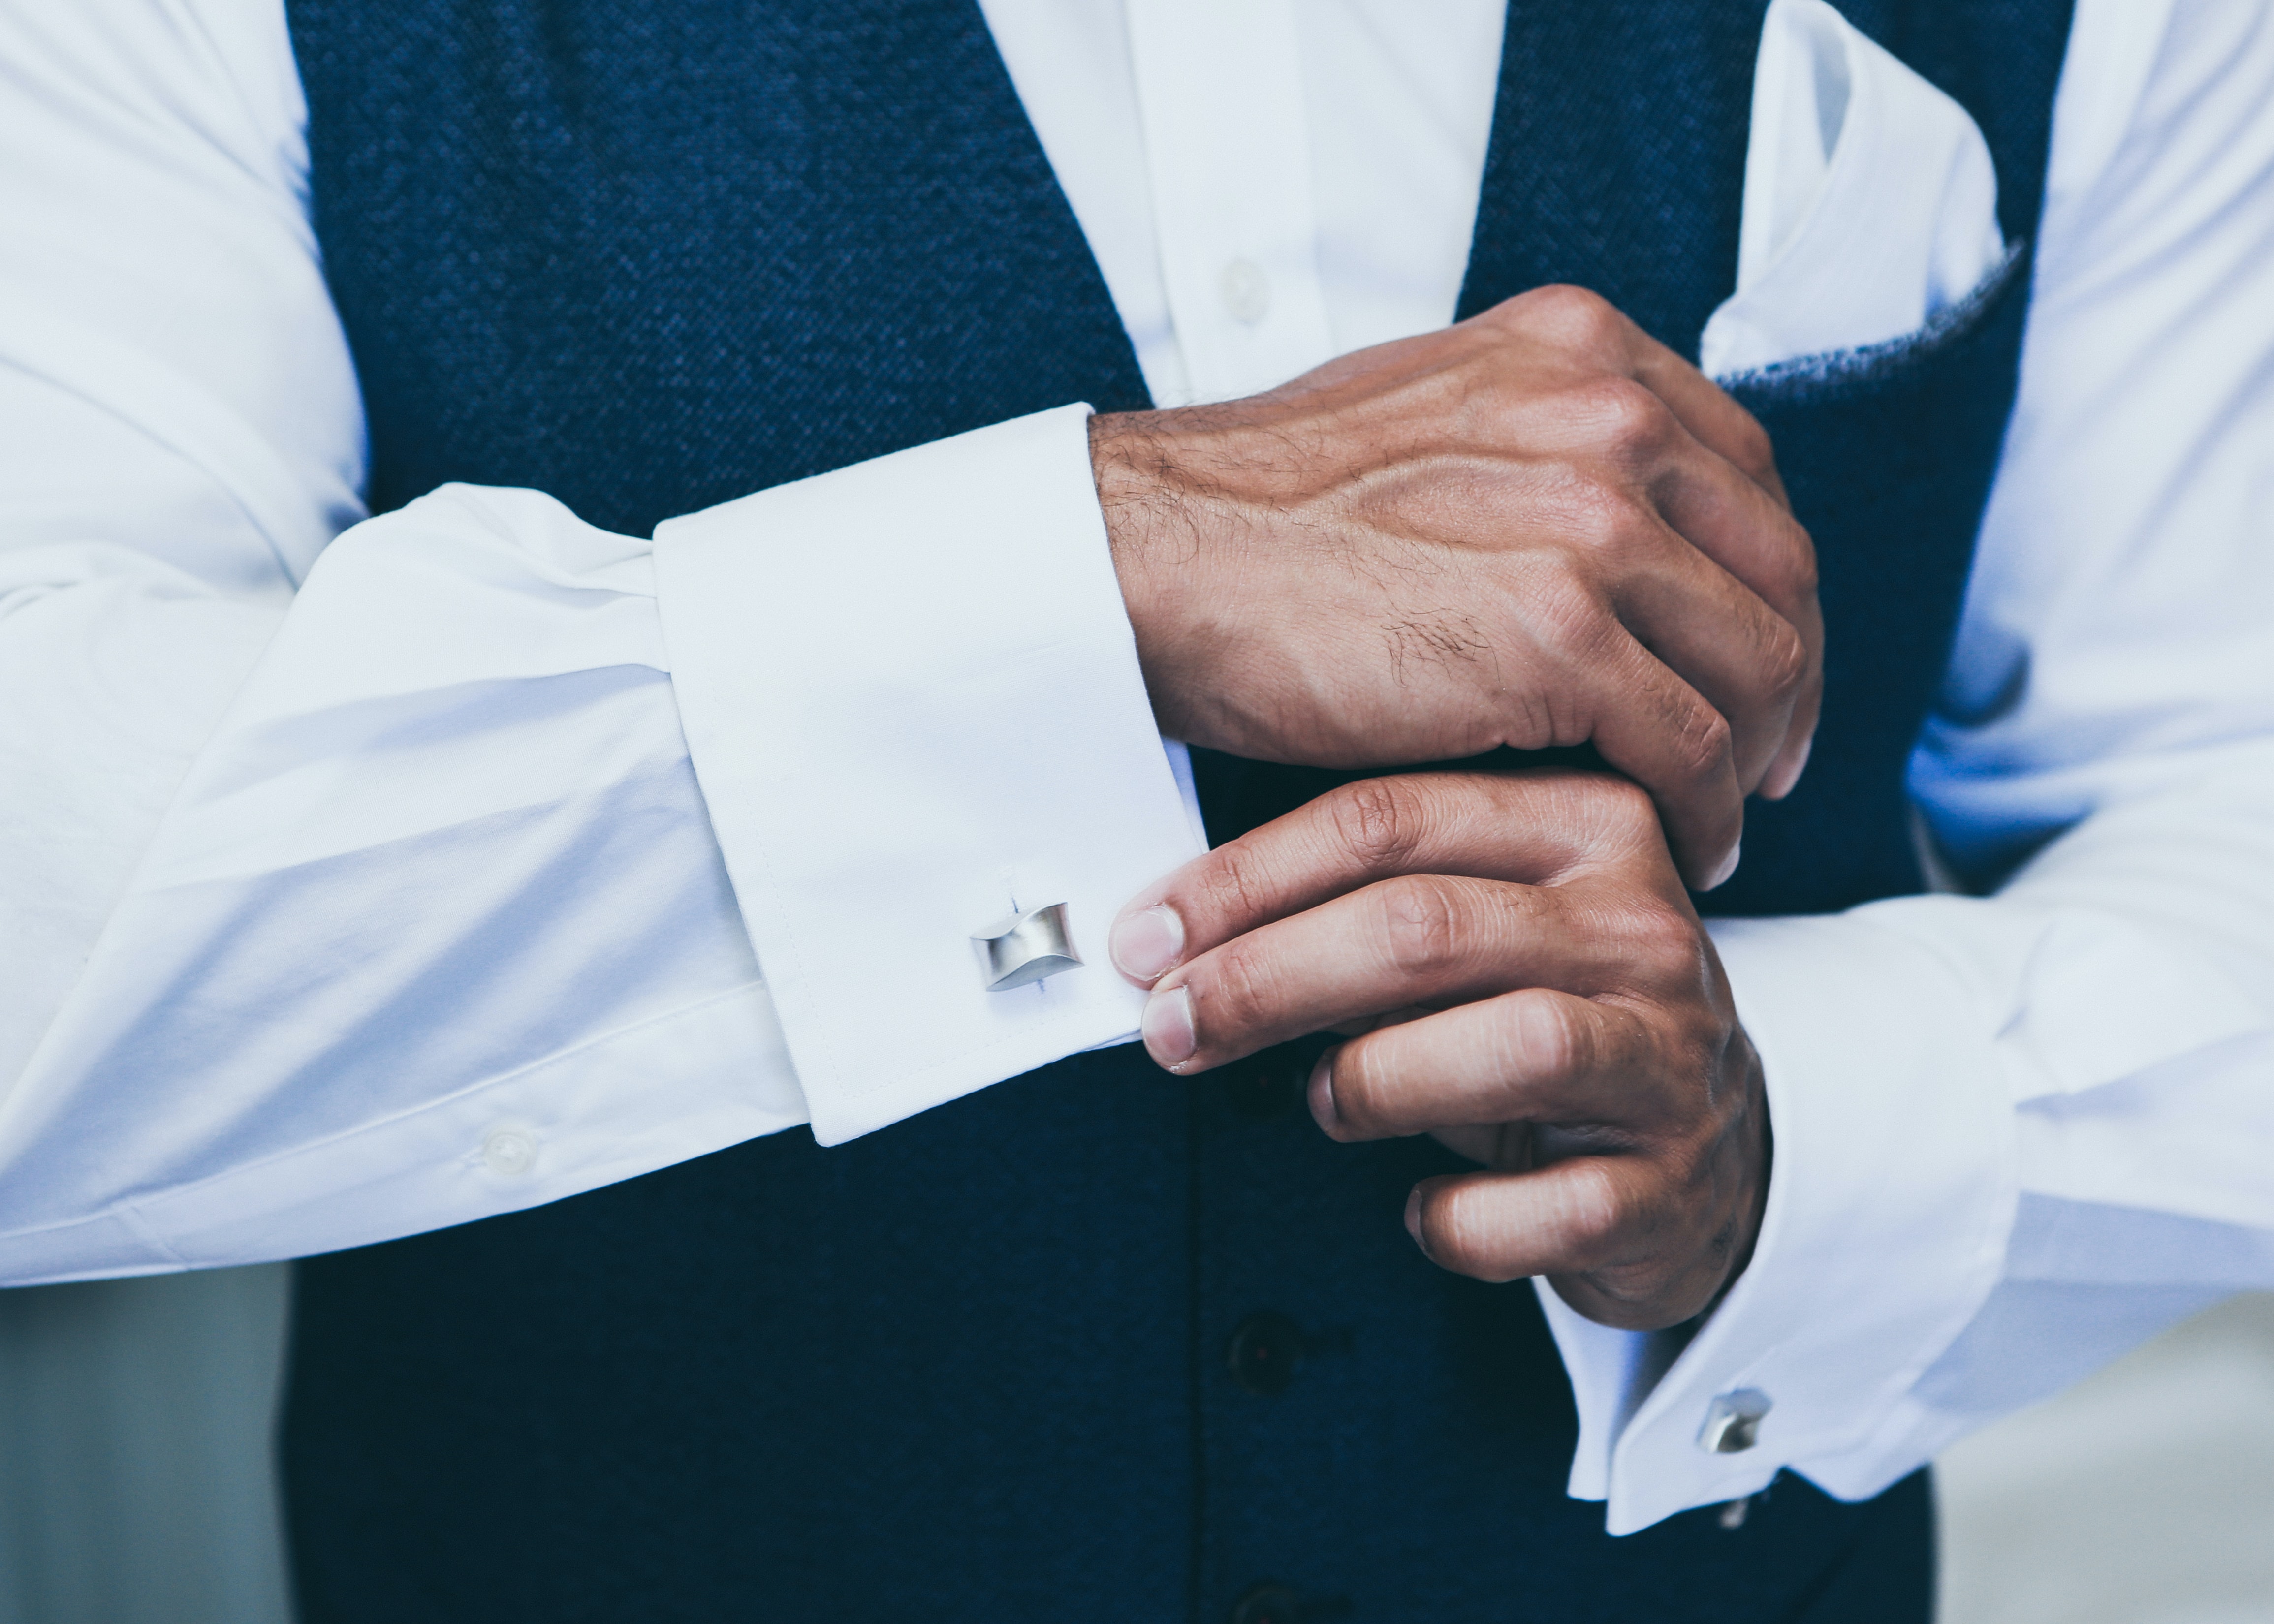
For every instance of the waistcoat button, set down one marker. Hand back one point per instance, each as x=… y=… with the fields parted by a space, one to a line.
x=1262 y=1352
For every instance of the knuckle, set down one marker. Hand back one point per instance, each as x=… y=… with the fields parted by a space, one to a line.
x=1800 y=562
x=1568 y=606
x=1380 y=821
x=1701 y=745
x=1580 y=315
x=1573 y=625
x=1232 y=996
x=1784 y=665
x=1663 y=945
x=1551 y=1041
x=1594 y=1217
x=1604 y=518
x=1629 y=421
x=1751 y=447
x=1424 y=926
x=1235 y=887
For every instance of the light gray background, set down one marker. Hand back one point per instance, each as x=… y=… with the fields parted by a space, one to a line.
x=135 y=1463
x=134 y=1483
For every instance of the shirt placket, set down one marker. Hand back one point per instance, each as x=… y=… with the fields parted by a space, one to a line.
x=1227 y=146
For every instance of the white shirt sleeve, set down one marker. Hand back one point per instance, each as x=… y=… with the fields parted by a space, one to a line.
x=354 y=887
x=2018 y=1134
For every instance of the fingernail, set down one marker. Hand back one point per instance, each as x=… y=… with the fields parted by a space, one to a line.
x=1413 y=1219
x=1321 y=1096
x=1146 y=943
x=1167 y=1027
x=1729 y=866
x=1790 y=776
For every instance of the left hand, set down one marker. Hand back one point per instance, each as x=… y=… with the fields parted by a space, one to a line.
x=1529 y=982
x=1536 y=527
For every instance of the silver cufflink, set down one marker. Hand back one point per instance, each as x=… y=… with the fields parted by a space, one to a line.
x=1733 y=1422
x=1025 y=947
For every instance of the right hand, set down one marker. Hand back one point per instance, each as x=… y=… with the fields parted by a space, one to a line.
x=1539 y=527
x=1519 y=973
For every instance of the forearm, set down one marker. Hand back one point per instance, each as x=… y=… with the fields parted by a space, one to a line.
x=432 y=919
x=423 y=878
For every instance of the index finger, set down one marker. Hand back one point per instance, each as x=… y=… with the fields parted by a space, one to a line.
x=1716 y=421
x=1711 y=414
x=1531 y=827
x=1760 y=555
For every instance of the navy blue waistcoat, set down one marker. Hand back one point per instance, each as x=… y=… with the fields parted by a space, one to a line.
x=1094 y=1343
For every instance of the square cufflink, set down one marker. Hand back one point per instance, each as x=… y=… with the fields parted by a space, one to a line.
x=1024 y=948
x=1733 y=1422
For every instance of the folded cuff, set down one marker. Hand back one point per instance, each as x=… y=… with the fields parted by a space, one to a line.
x=1890 y=1204
x=912 y=697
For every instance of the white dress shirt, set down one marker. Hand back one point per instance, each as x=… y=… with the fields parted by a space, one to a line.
x=356 y=883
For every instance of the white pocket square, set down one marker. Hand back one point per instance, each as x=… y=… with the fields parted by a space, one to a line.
x=1871 y=203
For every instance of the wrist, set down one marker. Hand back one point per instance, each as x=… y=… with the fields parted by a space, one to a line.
x=1157 y=525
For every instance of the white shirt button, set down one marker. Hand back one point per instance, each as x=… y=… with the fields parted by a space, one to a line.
x=1246 y=290
x=510 y=1152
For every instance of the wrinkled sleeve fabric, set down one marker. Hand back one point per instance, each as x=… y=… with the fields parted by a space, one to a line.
x=2017 y=1132
x=358 y=878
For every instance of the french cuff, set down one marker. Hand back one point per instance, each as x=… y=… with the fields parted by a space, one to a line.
x=911 y=694
x=1890 y=1204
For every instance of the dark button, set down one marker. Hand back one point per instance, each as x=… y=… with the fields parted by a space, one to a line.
x=1267 y=1604
x=1263 y=1350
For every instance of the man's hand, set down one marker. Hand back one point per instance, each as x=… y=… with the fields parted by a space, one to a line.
x=1538 y=527
x=1529 y=984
